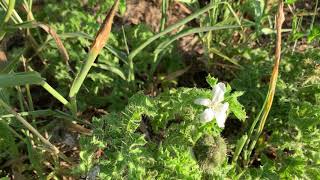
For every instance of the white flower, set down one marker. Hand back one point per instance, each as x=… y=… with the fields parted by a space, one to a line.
x=216 y=109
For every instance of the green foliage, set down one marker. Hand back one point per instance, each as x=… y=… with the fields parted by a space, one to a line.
x=255 y=8
x=161 y=137
x=314 y=34
x=293 y=125
x=8 y=146
x=36 y=157
x=7 y=141
x=154 y=138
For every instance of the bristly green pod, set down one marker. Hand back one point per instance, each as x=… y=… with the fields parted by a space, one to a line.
x=210 y=152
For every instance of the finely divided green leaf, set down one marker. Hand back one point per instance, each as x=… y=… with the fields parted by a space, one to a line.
x=236 y=108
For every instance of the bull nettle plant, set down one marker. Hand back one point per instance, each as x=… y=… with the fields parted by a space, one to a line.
x=162 y=137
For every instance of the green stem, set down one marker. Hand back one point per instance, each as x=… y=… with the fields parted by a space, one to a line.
x=55 y=94
x=14 y=16
x=47 y=112
x=125 y=40
x=98 y=44
x=20 y=98
x=239 y=148
x=82 y=75
x=314 y=15
x=73 y=105
x=165 y=4
x=253 y=125
x=29 y=98
x=262 y=117
x=9 y=11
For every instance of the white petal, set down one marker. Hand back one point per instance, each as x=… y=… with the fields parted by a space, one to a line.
x=207 y=115
x=218 y=92
x=203 y=101
x=221 y=114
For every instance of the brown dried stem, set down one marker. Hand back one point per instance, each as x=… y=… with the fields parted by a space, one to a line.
x=262 y=117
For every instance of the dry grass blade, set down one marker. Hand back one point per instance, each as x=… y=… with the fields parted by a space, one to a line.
x=275 y=72
x=262 y=117
x=33 y=24
x=105 y=30
x=62 y=50
x=3 y=57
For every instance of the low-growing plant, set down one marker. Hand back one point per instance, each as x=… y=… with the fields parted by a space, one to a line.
x=168 y=136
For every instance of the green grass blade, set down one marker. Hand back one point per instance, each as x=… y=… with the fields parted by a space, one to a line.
x=31 y=77
x=96 y=47
x=7 y=17
x=219 y=53
x=164 y=8
x=9 y=11
x=14 y=16
x=23 y=25
x=111 y=69
x=19 y=79
x=169 y=29
x=164 y=32
x=233 y=12
x=47 y=112
x=55 y=93
x=240 y=144
x=187 y=32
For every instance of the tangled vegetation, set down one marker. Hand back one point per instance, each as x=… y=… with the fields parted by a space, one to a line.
x=159 y=89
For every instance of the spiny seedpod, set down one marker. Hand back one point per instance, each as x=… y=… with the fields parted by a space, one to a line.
x=210 y=152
